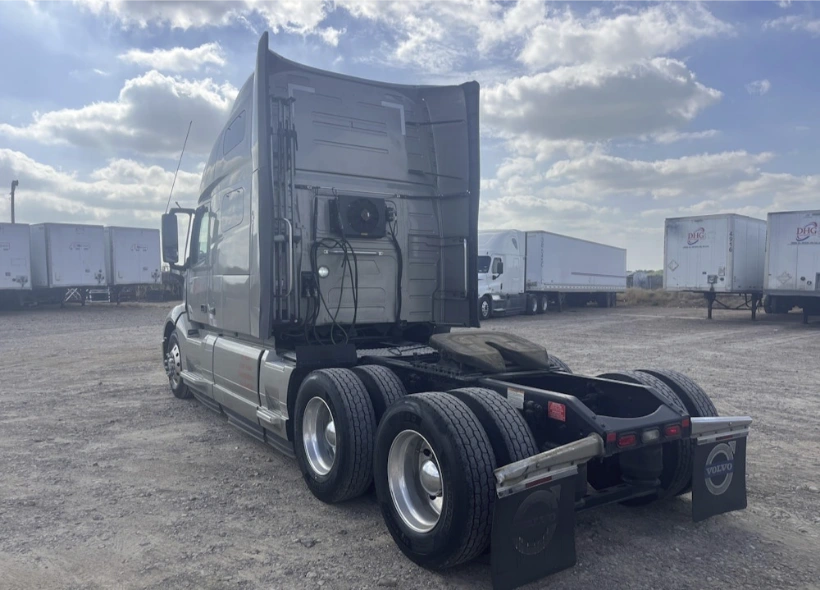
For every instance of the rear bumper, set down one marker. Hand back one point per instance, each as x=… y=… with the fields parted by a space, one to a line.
x=534 y=517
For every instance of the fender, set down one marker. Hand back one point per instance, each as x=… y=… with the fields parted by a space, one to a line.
x=170 y=323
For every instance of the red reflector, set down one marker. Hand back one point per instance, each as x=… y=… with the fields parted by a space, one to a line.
x=610 y=437
x=672 y=430
x=627 y=440
x=685 y=422
x=537 y=482
x=557 y=411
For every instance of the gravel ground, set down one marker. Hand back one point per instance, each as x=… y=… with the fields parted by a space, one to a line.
x=110 y=482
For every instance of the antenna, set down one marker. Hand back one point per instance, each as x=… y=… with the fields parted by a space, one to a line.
x=178 y=165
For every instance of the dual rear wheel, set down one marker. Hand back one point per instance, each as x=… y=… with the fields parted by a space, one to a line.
x=430 y=455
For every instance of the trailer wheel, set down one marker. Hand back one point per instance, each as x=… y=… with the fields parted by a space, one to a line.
x=485 y=308
x=383 y=387
x=532 y=304
x=543 y=303
x=505 y=426
x=433 y=471
x=677 y=454
x=692 y=396
x=173 y=368
x=558 y=365
x=334 y=428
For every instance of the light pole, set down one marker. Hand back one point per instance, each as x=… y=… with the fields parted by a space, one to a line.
x=14 y=184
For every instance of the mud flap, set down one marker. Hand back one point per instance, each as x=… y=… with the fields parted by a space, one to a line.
x=534 y=529
x=719 y=471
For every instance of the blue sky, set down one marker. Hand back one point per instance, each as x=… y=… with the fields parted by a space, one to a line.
x=598 y=120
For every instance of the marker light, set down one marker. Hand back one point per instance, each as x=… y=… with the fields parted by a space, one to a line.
x=672 y=430
x=627 y=440
x=323 y=272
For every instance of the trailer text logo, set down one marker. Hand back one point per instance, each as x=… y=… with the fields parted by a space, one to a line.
x=807 y=231
x=696 y=236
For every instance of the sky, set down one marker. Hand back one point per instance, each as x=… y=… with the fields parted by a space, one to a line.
x=598 y=120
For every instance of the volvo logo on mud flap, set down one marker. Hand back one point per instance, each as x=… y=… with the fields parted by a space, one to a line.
x=535 y=520
x=719 y=468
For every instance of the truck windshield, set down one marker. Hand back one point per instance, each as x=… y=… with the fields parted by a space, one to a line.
x=483 y=264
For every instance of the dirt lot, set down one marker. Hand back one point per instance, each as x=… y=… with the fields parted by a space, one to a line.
x=110 y=482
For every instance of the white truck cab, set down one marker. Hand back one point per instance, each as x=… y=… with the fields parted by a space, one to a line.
x=501 y=256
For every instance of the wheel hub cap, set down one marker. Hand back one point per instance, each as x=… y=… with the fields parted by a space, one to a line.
x=173 y=365
x=319 y=436
x=415 y=482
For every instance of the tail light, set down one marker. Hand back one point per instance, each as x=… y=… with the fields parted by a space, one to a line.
x=672 y=430
x=686 y=422
x=627 y=440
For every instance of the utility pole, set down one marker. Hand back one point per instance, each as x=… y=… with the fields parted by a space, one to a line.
x=14 y=184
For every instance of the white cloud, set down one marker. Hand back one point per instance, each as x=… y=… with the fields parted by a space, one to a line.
x=794 y=23
x=758 y=87
x=331 y=36
x=177 y=59
x=668 y=137
x=301 y=17
x=122 y=192
x=565 y=38
x=593 y=102
x=150 y=116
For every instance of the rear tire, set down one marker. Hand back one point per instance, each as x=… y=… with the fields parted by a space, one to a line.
x=505 y=426
x=334 y=427
x=692 y=396
x=451 y=436
x=558 y=365
x=677 y=454
x=383 y=387
x=532 y=304
x=543 y=303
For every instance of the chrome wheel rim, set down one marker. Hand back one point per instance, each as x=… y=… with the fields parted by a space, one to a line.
x=319 y=436
x=485 y=308
x=534 y=305
x=414 y=478
x=174 y=367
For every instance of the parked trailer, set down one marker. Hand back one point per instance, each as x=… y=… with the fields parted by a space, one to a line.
x=792 y=271
x=716 y=255
x=321 y=325
x=526 y=272
x=15 y=263
x=132 y=259
x=66 y=261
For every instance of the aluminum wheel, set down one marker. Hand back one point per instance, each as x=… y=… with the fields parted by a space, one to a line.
x=414 y=478
x=173 y=366
x=485 y=308
x=319 y=436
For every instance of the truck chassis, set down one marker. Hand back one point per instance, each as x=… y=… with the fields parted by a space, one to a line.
x=493 y=419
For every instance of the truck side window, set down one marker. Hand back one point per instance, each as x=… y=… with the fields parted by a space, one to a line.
x=200 y=240
x=498 y=266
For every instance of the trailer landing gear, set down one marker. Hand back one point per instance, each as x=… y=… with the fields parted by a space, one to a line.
x=751 y=301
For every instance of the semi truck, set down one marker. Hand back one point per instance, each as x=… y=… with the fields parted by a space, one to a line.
x=792 y=267
x=716 y=255
x=333 y=254
x=527 y=272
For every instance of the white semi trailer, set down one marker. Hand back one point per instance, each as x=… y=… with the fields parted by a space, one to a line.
x=15 y=263
x=321 y=283
x=792 y=269
x=526 y=272
x=67 y=260
x=716 y=255
x=132 y=258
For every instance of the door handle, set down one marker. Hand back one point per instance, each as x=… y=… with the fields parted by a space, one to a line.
x=203 y=308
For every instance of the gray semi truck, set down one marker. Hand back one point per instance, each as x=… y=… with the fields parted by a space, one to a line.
x=332 y=250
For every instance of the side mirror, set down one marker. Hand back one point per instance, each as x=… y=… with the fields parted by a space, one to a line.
x=170 y=239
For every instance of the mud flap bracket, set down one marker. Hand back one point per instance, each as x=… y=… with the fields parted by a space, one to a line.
x=719 y=472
